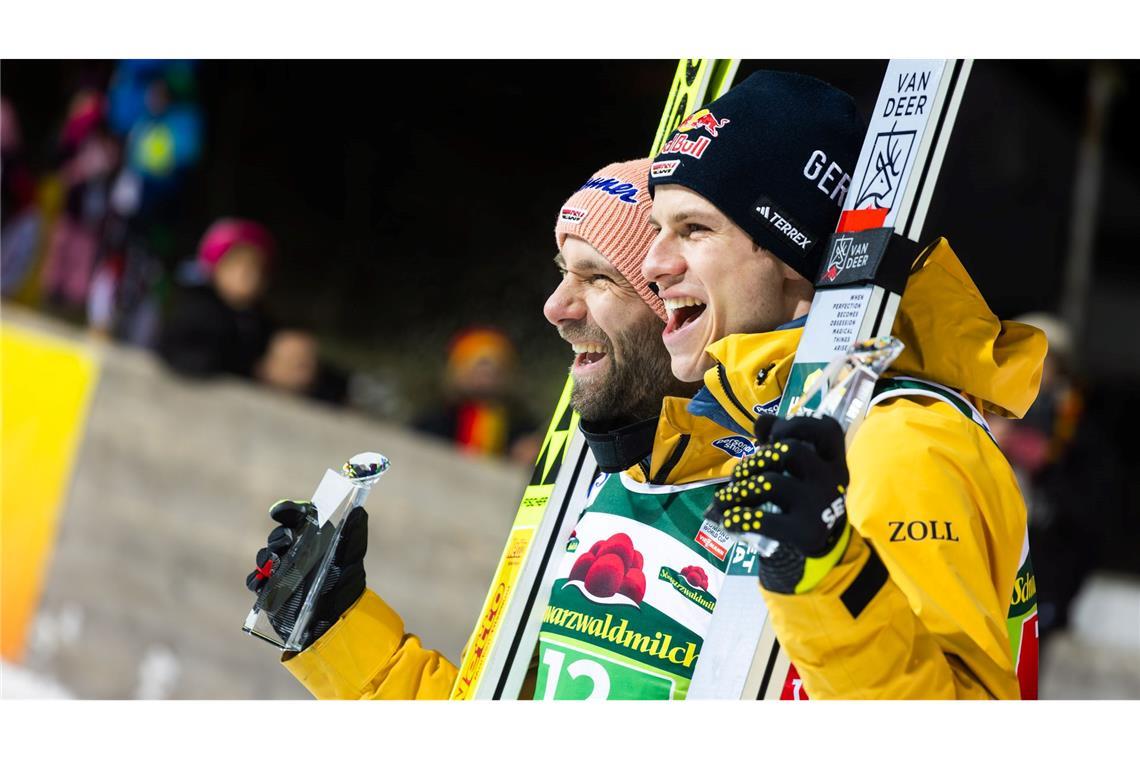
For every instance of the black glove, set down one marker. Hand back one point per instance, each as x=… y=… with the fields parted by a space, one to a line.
x=800 y=468
x=345 y=580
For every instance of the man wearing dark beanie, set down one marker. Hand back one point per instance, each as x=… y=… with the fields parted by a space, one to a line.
x=899 y=556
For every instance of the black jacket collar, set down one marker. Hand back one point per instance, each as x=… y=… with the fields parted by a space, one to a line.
x=618 y=448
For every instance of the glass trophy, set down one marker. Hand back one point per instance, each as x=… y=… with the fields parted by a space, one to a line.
x=280 y=616
x=842 y=391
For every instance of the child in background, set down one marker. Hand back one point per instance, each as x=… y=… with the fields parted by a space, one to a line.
x=292 y=364
x=219 y=327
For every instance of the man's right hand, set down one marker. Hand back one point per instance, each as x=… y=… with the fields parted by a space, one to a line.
x=344 y=583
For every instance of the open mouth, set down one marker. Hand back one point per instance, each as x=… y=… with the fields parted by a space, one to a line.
x=682 y=313
x=587 y=354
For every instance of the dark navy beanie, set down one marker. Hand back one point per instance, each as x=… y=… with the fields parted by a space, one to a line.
x=775 y=154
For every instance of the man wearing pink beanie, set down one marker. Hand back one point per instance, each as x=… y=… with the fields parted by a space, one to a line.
x=641 y=553
x=620 y=369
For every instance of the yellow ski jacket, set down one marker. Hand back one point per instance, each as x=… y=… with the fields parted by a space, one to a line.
x=367 y=654
x=917 y=606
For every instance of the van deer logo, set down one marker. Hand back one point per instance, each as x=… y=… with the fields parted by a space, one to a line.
x=883 y=176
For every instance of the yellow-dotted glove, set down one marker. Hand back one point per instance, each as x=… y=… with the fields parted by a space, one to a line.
x=791 y=490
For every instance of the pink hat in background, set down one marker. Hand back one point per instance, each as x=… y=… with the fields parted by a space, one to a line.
x=225 y=233
x=611 y=213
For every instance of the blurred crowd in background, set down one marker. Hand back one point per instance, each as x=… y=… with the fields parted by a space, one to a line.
x=90 y=237
x=90 y=209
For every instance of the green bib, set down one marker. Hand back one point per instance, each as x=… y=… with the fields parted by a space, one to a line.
x=634 y=594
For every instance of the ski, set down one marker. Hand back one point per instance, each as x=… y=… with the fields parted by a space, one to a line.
x=500 y=648
x=857 y=296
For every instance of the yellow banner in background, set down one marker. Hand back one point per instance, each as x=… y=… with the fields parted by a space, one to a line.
x=46 y=388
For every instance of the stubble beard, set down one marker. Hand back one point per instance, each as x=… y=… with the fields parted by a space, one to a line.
x=634 y=385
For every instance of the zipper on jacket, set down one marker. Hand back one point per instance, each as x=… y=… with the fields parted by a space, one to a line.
x=675 y=457
x=722 y=374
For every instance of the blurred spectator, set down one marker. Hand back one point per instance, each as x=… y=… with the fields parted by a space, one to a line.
x=17 y=186
x=20 y=221
x=479 y=413
x=292 y=364
x=152 y=106
x=1070 y=474
x=89 y=156
x=219 y=326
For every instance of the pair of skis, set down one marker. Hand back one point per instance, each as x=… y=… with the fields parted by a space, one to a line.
x=500 y=649
x=858 y=291
x=889 y=195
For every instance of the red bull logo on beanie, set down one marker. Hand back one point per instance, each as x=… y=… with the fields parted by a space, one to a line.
x=686 y=147
x=624 y=191
x=702 y=119
x=572 y=215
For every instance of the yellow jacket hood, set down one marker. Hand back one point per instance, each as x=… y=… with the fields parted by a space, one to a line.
x=953 y=338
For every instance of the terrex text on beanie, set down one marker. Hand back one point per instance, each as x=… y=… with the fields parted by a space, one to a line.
x=611 y=213
x=775 y=155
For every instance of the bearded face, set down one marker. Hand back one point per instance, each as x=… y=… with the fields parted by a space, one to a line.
x=620 y=368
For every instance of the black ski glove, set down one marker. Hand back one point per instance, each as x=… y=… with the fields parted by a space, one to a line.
x=800 y=468
x=345 y=580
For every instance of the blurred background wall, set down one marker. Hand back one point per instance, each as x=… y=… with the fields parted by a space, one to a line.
x=400 y=208
x=144 y=592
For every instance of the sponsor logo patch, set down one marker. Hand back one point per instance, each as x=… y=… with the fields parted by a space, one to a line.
x=714 y=539
x=846 y=253
x=770 y=408
x=891 y=152
x=621 y=632
x=829 y=177
x=856 y=257
x=702 y=119
x=624 y=191
x=572 y=215
x=664 y=168
x=1025 y=589
x=782 y=224
x=686 y=147
x=691 y=583
x=922 y=530
x=735 y=446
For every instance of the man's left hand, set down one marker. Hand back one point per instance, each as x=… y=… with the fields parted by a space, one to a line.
x=791 y=490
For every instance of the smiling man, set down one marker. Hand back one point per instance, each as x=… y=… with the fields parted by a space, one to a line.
x=898 y=558
x=634 y=596
x=629 y=612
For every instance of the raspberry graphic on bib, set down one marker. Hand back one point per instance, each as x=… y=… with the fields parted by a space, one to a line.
x=581 y=566
x=610 y=568
x=633 y=585
x=620 y=545
x=605 y=575
x=696 y=577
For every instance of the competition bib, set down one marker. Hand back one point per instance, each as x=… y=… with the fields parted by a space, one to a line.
x=633 y=599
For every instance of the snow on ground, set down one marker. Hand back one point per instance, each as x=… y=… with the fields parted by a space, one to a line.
x=19 y=683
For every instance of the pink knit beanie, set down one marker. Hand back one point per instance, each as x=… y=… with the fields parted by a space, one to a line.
x=611 y=213
x=227 y=232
